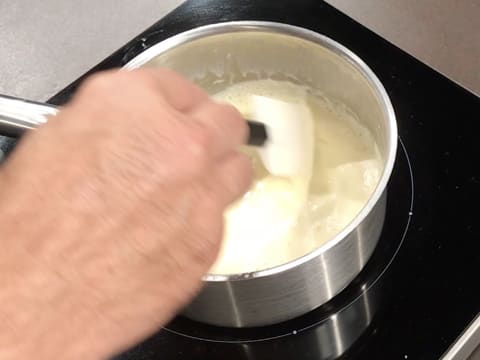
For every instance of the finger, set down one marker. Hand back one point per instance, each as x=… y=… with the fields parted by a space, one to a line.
x=181 y=93
x=230 y=179
x=220 y=127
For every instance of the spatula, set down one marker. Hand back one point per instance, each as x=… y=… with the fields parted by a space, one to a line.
x=280 y=130
x=288 y=149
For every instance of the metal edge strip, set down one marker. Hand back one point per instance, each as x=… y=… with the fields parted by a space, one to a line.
x=466 y=344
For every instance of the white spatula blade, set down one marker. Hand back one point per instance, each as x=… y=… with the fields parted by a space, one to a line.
x=289 y=148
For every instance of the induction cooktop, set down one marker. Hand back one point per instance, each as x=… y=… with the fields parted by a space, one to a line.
x=420 y=289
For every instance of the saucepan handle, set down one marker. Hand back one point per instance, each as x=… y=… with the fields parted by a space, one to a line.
x=19 y=115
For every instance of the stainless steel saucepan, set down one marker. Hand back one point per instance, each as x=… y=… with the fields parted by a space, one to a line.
x=219 y=55
x=216 y=56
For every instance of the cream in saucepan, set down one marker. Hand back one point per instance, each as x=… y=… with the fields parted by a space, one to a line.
x=281 y=219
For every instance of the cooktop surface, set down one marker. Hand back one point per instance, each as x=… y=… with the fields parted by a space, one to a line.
x=419 y=291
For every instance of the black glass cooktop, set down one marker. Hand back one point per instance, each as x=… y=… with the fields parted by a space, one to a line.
x=420 y=289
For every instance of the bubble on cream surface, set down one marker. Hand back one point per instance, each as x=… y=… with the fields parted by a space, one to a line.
x=280 y=218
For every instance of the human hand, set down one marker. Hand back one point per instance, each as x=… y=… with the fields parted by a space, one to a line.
x=111 y=213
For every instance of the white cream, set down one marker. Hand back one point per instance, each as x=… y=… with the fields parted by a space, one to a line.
x=281 y=218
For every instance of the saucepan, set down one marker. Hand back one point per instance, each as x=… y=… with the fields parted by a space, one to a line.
x=216 y=56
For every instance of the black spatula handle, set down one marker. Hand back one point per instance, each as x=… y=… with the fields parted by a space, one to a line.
x=258 y=133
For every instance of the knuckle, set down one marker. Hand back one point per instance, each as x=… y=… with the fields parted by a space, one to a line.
x=225 y=112
x=168 y=75
x=200 y=143
x=230 y=112
x=144 y=78
x=231 y=121
x=98 y=82
x=112 y=80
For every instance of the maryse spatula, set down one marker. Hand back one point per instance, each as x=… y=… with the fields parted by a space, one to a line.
x=277 y=131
